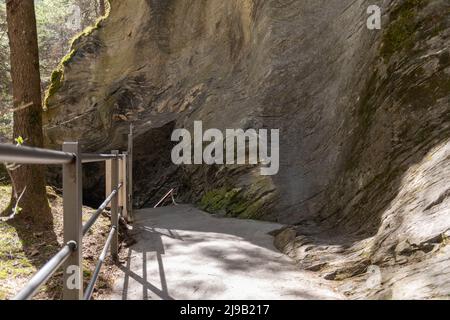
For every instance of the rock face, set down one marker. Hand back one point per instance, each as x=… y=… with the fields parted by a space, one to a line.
x=363 y=116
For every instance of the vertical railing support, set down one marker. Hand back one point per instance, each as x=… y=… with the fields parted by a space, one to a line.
x=108 y=183
x=123 y=198
x=115 y=205
x=130 y=175
x=73 y=203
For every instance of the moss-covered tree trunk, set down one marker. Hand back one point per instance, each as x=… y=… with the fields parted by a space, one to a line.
x=26 y=84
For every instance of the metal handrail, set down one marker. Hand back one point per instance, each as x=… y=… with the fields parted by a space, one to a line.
x=101 y=259
x=71 y=253
x=100 y=210
x=27 y=155
x=90 y=158
x=42 y=276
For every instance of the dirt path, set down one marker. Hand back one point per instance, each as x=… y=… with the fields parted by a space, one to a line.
x=184 y=253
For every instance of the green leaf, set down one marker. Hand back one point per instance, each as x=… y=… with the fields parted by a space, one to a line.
x=19 y=140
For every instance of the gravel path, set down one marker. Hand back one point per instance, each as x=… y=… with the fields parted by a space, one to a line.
x=184 y=253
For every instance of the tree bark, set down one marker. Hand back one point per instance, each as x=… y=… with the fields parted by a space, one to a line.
x=102 y=7
x=24 y=55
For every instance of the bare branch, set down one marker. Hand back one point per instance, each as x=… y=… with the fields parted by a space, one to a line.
x=16 y=208
x=2 y=113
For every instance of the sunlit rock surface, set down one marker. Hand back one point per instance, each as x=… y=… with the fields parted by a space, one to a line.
x=364 y=118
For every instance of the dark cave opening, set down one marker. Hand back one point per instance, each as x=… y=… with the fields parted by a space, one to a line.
x=153 y=171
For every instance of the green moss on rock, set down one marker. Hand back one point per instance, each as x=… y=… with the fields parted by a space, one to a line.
x=217 y=200
x=68 y=57
x=249 y=203
x=400 y=34
x=55 y=84
x=86 y=32
x=57 y=76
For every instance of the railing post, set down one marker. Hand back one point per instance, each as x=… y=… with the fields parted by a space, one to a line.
x=73 y=202
x=108 y=183
x=115 y=205
x=130 y=175
x=123 y=198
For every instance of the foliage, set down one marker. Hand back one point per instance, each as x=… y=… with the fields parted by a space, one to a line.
x=19 y=140
x=56 y=20
x=57 y=23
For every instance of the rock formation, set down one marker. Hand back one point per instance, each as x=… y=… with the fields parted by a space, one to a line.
x=364 y=118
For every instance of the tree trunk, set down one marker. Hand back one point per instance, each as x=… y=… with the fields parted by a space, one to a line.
x=26 y=86
x=102 y=7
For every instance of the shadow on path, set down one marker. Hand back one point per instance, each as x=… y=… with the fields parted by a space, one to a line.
x=162 y=293
x=184 y=253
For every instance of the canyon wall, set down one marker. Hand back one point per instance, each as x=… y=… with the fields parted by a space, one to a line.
x=363 y=116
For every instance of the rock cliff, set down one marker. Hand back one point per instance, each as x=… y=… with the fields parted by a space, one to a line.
x=363 y=116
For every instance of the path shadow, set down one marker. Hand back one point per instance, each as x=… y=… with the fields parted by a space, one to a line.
x=137 y=251
x=207 y=257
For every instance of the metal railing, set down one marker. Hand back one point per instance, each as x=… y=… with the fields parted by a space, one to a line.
x=119 y=198
x=165 y=197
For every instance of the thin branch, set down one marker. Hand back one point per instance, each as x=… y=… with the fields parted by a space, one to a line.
x=16 y=208
x=2 y=113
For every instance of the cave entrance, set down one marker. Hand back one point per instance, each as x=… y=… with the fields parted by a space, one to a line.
x=153 y=171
